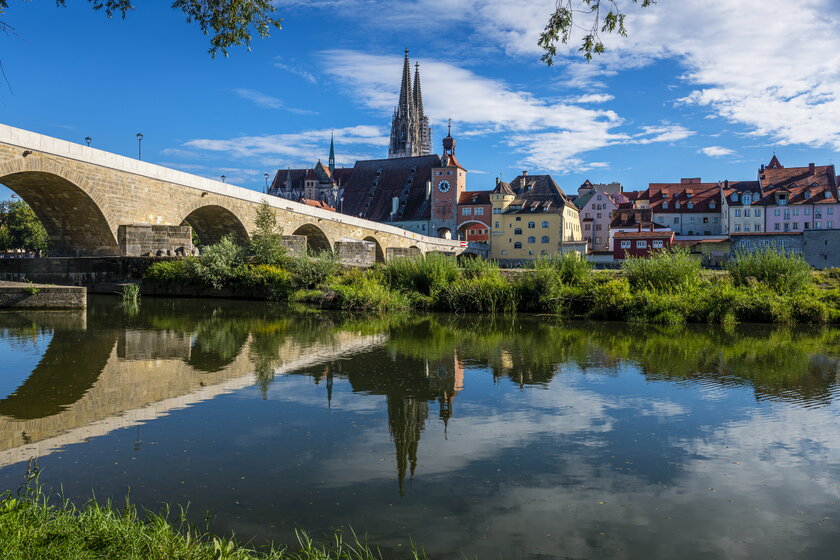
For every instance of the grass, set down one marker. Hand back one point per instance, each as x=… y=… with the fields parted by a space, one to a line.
x=130 y=294
x=35 y=527
x=669 y=288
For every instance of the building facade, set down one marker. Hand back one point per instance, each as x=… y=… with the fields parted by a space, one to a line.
x=689 y=208
x=596 y=207
x=474 y=216
x=640 y=244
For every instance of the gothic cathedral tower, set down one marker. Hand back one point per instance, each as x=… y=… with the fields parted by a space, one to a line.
x=448 y=182
x=410 y=132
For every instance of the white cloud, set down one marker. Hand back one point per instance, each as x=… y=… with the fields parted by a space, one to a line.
x=594 y=98
x=296 y=70
x=716 y=151
x=269 y=102
x=283 y=149
x=549 y=134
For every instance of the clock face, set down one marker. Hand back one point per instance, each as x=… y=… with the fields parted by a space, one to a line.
x=444 y=186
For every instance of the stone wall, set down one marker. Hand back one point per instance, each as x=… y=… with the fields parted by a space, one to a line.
x=397 y=252
x=155 y=241
x=356 y=253
x=821 y=247
x=76 y=271
x=294 y=244
x=39 y=296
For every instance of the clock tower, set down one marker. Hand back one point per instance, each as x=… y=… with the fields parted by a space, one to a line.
x=448 y=182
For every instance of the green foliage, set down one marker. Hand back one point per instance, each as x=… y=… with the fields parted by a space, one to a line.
x=32 y=289
x=780 y=270
x=266 y=246
x=20 y=228
x=171 y=272
x=130 y=294
x=664 y=271
x=476 y=267
x=427 y=274
x=315 y=271
x=611 y=300
x=571 y=268
x=218 y=264
x=488 y=293
x=361 y=292
x=562 y=22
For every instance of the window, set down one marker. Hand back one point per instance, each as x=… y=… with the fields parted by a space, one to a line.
x=587 y=227
x=657 y=244
x=517 y=245
x=734 y=197
x=829 y=210
x=641 y=244
x=664 y=205
x=714 y=220
x=677 y=205
x=531 y=225
x=587 y=215
x=504 y=252
x=747 y=213
x=597 y=227
x=746 y=199
x=712 y=205
x=758 y=227
x=517 y=231
x=796 y=211
x=676 y=220
x=691 y=220
x=746 y=227
x=777 y=212
x=478 y=211
x=758 y=212
x=625 y=244
x=737 y=213
x=688 y=195
x=519 y=218
x=827 y=194
x=598 y=240
x=746 y=243
x=818 y=225
x=439 y=173
x=466 y=211
x=690 y=205
x=545 y=224
x=449 y=172
x=497 y=225
x=545 y=239
x=705 y=220
x=777 y=226
x=598 y=216
x=829 y=225
x=795 y=225
x=600 y=197
x=737 y=227
x=807 y=194
x=532 y=239
x=497 y=210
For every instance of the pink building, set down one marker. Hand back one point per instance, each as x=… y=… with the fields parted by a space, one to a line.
x=596 y=207
x=798 y=198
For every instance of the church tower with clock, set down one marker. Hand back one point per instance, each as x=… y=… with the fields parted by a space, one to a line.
x=448 y=182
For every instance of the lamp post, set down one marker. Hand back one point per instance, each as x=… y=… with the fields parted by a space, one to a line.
x=266 y=182
x=88 y=139
x=139 y=140
x=223 y=178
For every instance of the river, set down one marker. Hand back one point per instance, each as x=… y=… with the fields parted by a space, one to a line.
x=513 y=437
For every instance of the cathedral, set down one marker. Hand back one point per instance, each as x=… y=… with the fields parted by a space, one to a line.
x=410 y=132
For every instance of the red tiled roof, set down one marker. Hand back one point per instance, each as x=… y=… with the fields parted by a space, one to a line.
x=644 y=234
x=474 y=197
x=700 y=196
x=317 y=204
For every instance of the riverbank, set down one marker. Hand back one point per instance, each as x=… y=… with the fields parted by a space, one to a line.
x=33 y=527
x=669 y=288
x=41 y=296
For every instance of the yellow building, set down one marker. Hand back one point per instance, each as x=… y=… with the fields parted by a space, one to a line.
x=533 y=217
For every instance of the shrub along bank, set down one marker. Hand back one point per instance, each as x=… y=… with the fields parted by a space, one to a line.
x=669 y=288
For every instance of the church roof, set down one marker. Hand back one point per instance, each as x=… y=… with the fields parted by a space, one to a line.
x=373 y=184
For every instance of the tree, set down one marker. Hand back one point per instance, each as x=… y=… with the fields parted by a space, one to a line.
x=228 y=21
x=23 y=229
x=562 y=22
x=266 y=244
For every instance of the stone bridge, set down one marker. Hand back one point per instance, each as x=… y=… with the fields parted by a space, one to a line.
x=86 y=198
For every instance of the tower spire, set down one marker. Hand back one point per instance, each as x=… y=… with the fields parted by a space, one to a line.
x=418 y=96
x=406 y=98
x=332 y=153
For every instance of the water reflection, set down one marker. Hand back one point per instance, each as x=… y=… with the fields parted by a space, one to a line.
x=539 y=437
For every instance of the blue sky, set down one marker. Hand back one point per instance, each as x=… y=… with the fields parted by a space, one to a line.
x=699 y=88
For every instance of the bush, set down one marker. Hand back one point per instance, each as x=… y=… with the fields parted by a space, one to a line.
x=266 y=247
x=427 y=274
x=539 y=290
x=312 y=272
x=482 y=294
x=364 y=293
x=663 y=271
x=218 y=264
x=169 y=273
x=780 y=270
x=572 y=269
x=611 y=300
x=276 y=281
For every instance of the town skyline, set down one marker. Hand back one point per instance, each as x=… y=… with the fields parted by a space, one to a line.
x=664 y=117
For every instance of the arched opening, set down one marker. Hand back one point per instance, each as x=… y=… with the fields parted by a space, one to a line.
x=316 y=240
x=380 y=254
x=474 y=231
x=74 y=222
x=444 y=233
x=211 y=223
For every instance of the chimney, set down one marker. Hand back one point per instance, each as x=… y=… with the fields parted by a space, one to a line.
x=429 y=189
x=726 y=183
x=811 y=169
x=395 y=205
x=524 y=172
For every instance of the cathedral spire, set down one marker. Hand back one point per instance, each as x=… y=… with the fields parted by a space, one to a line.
x=406 y=98
x=418 y=96
x=332 y=154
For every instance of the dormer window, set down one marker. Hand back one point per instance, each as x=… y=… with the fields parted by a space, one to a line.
x=793 y=186
x=690 y=205
x=746 y=199
x=807 y=194
x=677 y=205
x=712 y=205
x=827 y=194
x=734 y=197
x=664 y=205
x=664 y=195
x=688 y=195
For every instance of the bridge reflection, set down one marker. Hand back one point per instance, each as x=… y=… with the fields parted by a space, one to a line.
x=105 y=370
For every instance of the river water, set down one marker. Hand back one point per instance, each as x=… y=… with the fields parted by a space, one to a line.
x=509 y=438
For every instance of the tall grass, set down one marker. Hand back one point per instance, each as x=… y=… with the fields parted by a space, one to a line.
x=783 y=271
x=571 y=268
x=130 y=294
x=663 y=271
x=427 y=274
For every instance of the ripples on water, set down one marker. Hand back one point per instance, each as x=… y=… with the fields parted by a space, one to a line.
x=514 y=437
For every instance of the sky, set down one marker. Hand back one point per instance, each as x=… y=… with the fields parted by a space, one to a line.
x=698 y=88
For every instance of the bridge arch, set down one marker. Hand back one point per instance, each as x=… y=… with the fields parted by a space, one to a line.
x=212 y=222
x=380 y=253
x=316 y=239
x=65 y=204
